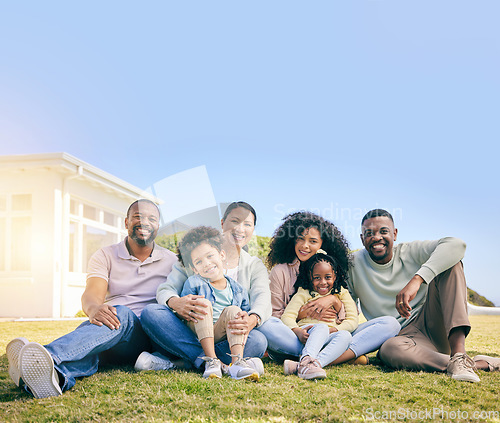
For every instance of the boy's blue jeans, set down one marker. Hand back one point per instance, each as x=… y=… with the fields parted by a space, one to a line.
x=171 y=334
x=77 y=354
x=368 y=337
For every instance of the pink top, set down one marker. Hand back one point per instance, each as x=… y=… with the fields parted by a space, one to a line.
x=282 y=277
x=131 y=283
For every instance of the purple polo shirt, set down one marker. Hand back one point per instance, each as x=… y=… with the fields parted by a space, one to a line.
x=131 y=283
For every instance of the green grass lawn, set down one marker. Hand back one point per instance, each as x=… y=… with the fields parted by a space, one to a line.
x=349 y=393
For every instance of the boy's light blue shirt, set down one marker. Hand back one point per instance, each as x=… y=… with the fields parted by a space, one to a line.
x=223 y=299
x=197 y=285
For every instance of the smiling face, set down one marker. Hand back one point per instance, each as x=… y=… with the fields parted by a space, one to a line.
x=142 y=223
x=308 y=243
x=238 y=227
x=208 y=262
x=378 y=235
x=323 y=277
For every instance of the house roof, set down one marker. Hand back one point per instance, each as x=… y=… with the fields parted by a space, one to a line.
x=66 y=163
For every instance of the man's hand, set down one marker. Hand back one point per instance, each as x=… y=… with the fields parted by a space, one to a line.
x=242 y=324
x=407 y=294
x=104 y=314
x=188 y=307
x=321 y=309
x=302 y=333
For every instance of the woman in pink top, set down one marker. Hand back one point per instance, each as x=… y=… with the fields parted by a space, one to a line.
x=300 y=236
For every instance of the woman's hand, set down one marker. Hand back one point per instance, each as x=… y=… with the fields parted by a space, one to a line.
x=323 y=308
x=242 y=324
x=302 y=333
x=188 y=307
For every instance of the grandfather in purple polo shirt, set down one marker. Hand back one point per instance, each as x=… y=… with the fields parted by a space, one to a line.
x=122 y=279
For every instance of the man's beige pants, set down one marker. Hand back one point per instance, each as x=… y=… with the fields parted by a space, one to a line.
x=207 y=329
x=423 y=343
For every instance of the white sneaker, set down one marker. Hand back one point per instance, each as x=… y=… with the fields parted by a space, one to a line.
x=256 y=364
x=241 y=369
x=36 y=369
x=155 y=361
x=13 y=349
x=212 y=368
x=461 y=367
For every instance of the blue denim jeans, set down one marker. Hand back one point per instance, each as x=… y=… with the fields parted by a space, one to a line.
x=368 y=337
x=172 y=335
x=78 y=353
x=325 y=346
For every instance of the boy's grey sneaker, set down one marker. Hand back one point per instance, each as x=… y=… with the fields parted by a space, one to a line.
x=13 y=350
x=241 y=369
x=256 y=364
x=493 y=362
x=37 y=370
x=155 y=361
x=212 y=368
x=461 y=367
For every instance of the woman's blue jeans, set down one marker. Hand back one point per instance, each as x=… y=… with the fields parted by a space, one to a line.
x=368 y=337
x=78 y=353
x=173 y=336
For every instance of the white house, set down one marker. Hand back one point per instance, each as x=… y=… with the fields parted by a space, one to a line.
x=55 y=211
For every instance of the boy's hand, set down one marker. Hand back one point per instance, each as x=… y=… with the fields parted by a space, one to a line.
x=242 y=324
x=302 y=333
x=188 y=307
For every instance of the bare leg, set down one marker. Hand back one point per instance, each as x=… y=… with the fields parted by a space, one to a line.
x=456 y=339
x=208 y=347
x=346 y=356
x=236 y=351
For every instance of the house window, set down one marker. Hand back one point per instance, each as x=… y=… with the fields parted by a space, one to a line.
x=90 y=229
x=15 y=232
x=21 y=244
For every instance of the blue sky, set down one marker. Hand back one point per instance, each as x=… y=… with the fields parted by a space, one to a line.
x=331 y=106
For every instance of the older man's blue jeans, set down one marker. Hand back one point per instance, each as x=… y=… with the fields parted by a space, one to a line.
x=78 y=353
x=173 y=336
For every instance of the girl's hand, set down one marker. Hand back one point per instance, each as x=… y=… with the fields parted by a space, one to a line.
x=302 y=333
x=242 y=324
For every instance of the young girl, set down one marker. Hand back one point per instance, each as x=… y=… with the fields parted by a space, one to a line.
x=324 y=341
x=298 y=238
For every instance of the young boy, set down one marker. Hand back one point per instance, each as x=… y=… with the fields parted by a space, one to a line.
x=201 y=249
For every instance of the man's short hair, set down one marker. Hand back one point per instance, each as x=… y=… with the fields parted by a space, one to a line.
x=376 y=213
x=142 y=200
x=194 y=238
